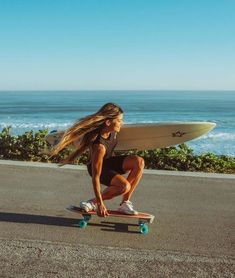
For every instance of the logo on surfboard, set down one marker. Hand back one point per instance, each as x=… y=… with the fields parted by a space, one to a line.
x=178 y=134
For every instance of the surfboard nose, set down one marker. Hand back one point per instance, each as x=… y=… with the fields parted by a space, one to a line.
x=211 y=126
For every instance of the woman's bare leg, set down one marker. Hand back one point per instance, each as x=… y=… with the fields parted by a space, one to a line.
x=122 y=186
x=119 y=186
x=135 y=165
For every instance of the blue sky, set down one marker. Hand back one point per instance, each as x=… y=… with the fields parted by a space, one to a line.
x=117 y=44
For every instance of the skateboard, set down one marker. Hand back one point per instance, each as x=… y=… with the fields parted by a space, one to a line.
x=143 y=218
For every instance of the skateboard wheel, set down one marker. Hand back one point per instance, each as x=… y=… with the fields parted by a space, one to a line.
x=87 y=217
x=144 y=229
x=82 y=223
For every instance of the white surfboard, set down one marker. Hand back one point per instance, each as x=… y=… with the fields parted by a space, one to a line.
x=151 y=136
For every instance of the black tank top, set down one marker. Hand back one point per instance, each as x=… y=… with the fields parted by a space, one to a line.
x=109 y=143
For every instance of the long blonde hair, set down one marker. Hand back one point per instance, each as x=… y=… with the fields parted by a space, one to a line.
x=86 y=130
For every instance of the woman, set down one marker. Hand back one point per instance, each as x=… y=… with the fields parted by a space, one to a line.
x=98 y=133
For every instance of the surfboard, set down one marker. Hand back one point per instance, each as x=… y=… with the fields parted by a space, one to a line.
x=150 y=136
x=162 y=135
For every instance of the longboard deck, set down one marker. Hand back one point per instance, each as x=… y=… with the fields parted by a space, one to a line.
x=114 y=213
x=144 y=218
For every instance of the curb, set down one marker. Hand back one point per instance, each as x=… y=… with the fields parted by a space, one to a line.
x=146 y=171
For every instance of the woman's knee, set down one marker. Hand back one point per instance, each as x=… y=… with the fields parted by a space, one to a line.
x=124 y=187
x=121 y=184
x=134 y=162
x=139 y=163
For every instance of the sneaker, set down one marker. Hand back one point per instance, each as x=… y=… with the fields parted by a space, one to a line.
x=87 y=206
x=127 y=208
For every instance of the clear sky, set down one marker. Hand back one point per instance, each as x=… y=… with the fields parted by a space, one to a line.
x=117 y=44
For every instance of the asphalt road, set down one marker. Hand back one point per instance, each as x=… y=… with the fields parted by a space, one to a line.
x=192 y=235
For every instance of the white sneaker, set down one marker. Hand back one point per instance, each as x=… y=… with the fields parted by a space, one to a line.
x=87 y=206
x=127 y=208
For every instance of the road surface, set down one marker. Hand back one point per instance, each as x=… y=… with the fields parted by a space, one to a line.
x=192 y=235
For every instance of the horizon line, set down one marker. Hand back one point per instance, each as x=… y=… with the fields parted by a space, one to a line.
x=118 y=90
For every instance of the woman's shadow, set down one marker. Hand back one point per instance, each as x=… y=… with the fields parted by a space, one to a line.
x=63 y=221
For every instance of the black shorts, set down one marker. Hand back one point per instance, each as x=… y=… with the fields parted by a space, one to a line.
x=111 y=167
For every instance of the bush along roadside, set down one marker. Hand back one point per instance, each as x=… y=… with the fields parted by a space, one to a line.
x=31 y=146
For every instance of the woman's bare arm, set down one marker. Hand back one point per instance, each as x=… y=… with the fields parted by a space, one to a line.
x=98 y=152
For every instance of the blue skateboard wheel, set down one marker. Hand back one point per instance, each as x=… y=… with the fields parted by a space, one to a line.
x=144 y=229
x=82 y=223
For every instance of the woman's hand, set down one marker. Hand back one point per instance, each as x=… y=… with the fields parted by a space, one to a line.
x=101 y=210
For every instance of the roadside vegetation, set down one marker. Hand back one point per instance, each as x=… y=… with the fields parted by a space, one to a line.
x=31 y=146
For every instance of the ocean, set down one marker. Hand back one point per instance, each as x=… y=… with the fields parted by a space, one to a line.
x=36 y=110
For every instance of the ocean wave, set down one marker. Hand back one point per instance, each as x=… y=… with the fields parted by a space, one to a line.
x=219 y=136
x=35 y=125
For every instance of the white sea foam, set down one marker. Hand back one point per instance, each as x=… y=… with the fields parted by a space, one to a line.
x=220 y=135
x=221 y=143
x=35 y=125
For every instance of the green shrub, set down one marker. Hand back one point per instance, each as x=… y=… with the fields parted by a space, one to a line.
x=29 y=146
x=32 y=147
x=182 y=158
